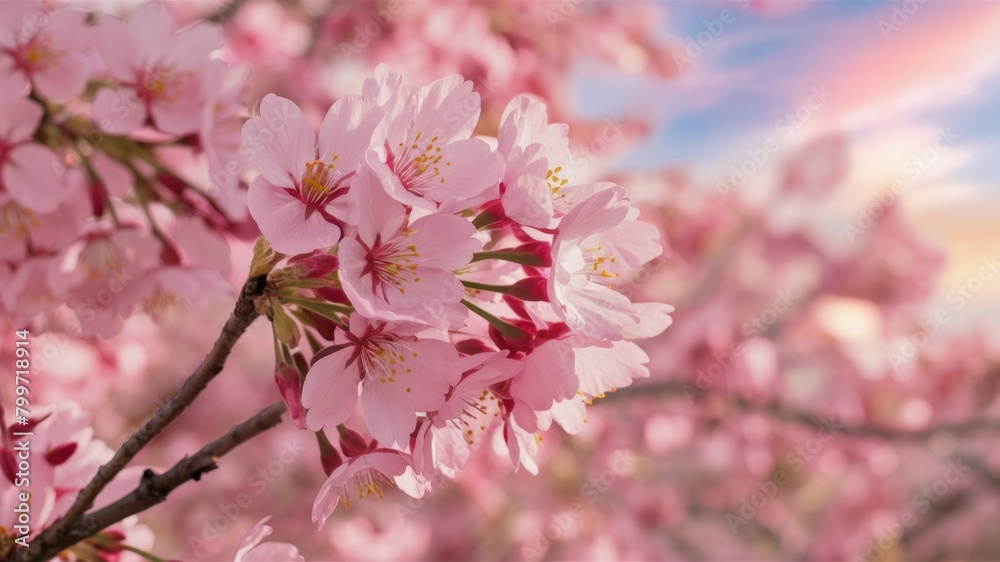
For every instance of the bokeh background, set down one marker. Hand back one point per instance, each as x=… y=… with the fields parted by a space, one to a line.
x=823 y=174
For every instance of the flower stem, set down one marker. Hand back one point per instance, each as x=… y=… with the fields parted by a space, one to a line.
x=523 y=258
x=505 y=328
x=485 y=287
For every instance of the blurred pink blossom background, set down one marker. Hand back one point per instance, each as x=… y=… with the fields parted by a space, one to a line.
x=822 y=175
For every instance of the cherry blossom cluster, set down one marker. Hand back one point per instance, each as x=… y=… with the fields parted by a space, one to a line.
x=120 y=163
x=45 y=463
x=462 y=289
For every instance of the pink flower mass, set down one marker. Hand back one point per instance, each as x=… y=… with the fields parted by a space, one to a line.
x=290 y=280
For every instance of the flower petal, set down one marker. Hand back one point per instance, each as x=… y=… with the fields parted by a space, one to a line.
x=473 y=169
x=152 y=26
x=445 y=242
x=376 y=215
x=36 y=178
x=528 y=200
x=19 y=118
x=65 y=79
x=280 y=140
x=593 y=311
x=330 y=391
x=283 y=222
x=346 y=132
x=446 y=108
x=118 y=47
x=548 y=376
x=603 y=369
x=389 y=413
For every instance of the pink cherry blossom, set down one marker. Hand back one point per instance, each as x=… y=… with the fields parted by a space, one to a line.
x=28 y=289
x=46 y=231
x=251 y=549
x=608 y=366
x=426 y=158
x=159 y=71
x=266 y=34
x=398 y=269
x=547 y=375
x=46 y=47
x=538 y=161
x=469 y=414
x=65 y=457
x=301 y=177
x=594 y=245
x=99 y=268
x=31 y=173
x=471 y=396
x=360 y=477
x=396 y=373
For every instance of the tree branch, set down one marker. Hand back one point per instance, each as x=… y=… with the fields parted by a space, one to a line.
x=154 y=488
x=244 y=313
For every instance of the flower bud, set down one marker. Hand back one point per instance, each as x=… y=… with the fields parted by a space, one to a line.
x=328 y=455
x=315 y=266
x=333 y=294
x=108 y=541
x=473 y=346
x=519 y=338
x=171 y=182
x=351 y=442
x=538 y=254
x=530 y=289
x=60 y=454
x=169 y=255
x=97 y=198
x=491 y=215
x=326 y=327
x=290 y=387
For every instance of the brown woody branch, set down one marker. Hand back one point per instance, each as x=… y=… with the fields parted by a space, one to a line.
x=244 y=313
x=154 y=488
